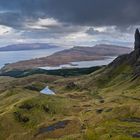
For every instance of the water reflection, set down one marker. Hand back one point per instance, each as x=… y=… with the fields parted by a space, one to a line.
x=47 y=91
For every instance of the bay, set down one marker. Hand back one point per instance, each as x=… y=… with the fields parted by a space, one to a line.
x=82 y=64
x=15 y=56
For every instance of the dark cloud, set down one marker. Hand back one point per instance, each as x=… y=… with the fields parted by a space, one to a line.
x=12 y=19
x=92 y=31
x=81 y=12
x=96 y=12
x=72 y=16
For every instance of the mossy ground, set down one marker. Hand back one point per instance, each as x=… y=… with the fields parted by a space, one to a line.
x=99 y=107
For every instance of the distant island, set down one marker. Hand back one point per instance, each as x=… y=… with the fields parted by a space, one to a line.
x=80 y=53
x=31 y=46
x=98 y=52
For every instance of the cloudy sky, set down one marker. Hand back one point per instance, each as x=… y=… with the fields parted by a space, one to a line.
x=69 y=22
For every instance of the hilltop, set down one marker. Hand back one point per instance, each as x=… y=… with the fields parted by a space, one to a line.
x=26 y=46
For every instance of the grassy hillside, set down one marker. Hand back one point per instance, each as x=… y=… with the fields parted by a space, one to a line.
x=104 y=105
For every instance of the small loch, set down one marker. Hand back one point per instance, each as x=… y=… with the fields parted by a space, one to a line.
x=82 y=64
x=47 y=91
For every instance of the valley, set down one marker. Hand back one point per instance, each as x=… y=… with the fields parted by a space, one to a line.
x=101 y=105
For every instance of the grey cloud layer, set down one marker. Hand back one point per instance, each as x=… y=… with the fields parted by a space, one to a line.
x=75 y=16
x=81 y=12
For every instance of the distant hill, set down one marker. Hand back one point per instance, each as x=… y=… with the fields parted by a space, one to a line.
x=74 y=54
x=32 y=46
x=89 y=53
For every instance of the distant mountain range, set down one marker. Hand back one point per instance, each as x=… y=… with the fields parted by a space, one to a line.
x=32 y=46
x=98 y=52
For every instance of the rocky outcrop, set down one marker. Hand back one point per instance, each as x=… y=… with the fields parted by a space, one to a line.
x=137 y=40
x=132 y=58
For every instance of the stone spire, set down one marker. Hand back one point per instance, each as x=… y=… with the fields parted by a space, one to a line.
x=137 y=39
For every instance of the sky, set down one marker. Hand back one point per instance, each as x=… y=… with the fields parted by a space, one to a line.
x=69 y=22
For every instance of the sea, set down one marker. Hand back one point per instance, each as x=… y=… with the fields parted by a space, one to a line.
x=15 y=56
x=7 y=57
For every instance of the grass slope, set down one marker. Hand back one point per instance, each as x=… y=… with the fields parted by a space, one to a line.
x=104 y=105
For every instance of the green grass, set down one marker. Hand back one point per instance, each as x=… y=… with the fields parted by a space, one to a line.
x=110 y=90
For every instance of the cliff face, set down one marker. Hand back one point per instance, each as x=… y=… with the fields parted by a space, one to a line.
x=124 y=71
x=137 y=40
x=131 y=60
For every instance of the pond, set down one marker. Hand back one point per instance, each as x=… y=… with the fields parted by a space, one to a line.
x=47 y=91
